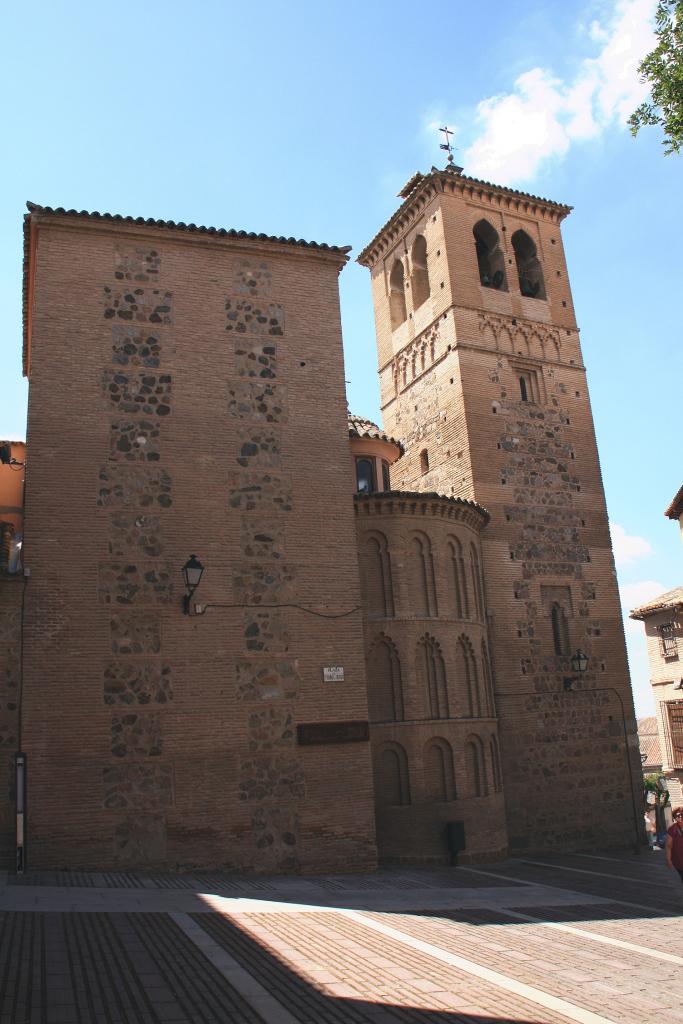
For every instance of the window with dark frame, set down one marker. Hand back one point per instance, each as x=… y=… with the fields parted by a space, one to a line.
x=667 y=640
x=386 y=483
x=365 y=476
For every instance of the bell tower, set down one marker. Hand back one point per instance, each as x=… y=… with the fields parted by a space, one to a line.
x=483 y=380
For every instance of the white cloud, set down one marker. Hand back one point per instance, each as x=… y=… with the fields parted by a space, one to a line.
x=628 y=547
x=634 y=594
x=543 y=115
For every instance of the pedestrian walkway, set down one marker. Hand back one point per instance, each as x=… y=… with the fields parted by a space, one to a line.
x=591 y=939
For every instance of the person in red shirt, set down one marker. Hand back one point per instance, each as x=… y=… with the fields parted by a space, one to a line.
x=674 y=842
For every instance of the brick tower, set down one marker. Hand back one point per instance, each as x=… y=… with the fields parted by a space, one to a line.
x=483 y=380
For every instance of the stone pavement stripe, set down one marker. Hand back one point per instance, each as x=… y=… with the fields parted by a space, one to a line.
x=596 y=937
x=598 y=874
x=588 y=898
x=268 y=1008
x=529 y=992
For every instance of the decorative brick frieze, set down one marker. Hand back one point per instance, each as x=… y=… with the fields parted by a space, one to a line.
x=137 y=682
x=144 y=394
x=258 y=681
x=139 y=305
x=521 y=337
x=123 y=486
x=136 y=584
x=246 y=317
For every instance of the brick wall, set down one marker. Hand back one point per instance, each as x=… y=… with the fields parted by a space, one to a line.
x=187 y=396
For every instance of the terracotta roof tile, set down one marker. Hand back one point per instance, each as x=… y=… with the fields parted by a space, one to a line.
x=360 y=427
x=671 y=599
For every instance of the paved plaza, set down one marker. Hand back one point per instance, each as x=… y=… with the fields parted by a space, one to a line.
x=587 y=938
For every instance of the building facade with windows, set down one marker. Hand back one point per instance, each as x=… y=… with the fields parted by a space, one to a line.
x=663 y=621
x=379 y=659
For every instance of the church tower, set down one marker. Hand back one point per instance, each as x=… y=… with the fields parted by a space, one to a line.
x=483 y=380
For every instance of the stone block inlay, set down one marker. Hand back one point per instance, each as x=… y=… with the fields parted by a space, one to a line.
x=144 y=393
x=266 y=681
x=138 y=786
x=122 y=486
x=270 y=727
x=252 y=278
x=267 y=402
x=255 y=359
x=133 y=347
x=262 y=538
x=125 y=583
x=138 y=265
x=257 y=584
x=276 y=832
x=130 y=532
x=135 y=441
x=140 y=305
x=135 y=735
x=265 y=631
x=140 y=840
x=277 y=778
x=135 y=633
x=258 y=448
x=246 y=317
x=260 y=492
x=137 y=682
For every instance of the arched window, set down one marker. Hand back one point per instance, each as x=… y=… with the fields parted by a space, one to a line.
x=477 y=584
x=495 y=765
x=439 y=777
x=489 y=701
x=419 y=278
x=365 y=476
x=560 y=626
x=475 y=767
x=424 y=461
x=490 y=256
x=377 y=578
x=529 y=270
x=468 y=678
x=523 y=390
x=431 y=677
x=385 y=690
x=461 y=599
x=392 y=784
x=397 y=296
x=422 y=573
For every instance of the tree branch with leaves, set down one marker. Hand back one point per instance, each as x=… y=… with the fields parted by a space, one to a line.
x=663 y=70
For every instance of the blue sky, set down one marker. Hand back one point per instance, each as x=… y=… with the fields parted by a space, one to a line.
x=306 y=118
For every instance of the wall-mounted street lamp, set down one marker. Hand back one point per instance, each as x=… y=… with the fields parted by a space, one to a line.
x=579 y=666
x=192 y=574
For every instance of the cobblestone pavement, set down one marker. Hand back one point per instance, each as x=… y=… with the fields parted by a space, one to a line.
x=585 y=938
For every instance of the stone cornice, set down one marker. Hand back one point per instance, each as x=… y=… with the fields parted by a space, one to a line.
x=451 y=182
x=429 y=503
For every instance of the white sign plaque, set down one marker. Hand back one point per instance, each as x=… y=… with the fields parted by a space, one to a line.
x=333 y=674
